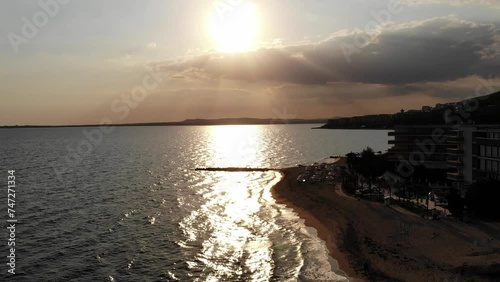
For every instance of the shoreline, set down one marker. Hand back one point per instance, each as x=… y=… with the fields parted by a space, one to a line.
x=311 y=221
x=365 y=237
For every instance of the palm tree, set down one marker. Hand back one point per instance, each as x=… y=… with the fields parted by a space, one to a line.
x=371 y=166
x=352 y=161
x=367 y=165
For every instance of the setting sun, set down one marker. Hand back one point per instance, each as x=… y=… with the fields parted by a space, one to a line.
x=235 y=28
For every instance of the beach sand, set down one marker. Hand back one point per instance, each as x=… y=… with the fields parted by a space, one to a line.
x=373 y=242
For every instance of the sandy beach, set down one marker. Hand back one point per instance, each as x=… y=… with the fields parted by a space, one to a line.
x=374 y=242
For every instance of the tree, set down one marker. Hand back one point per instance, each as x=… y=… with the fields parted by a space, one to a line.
x=352 y=161
x=372 y=166
x=369 y=165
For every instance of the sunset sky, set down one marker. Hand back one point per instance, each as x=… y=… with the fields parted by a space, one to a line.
x=79 y=62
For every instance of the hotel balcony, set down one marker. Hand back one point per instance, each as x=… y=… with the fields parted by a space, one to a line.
x=455 y=163
x=455 y=151
x=483 y=174
x=486 y=141
x=455 y=176
x=454 y=138
x=487 y=138
x=407 y=151
x=487 y=158
x=416 y=142
x=412 y=134
x=430 y=161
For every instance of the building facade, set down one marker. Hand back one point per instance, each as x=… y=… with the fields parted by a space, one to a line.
x=486 y=161
x=474 y=155
x=425 y=145
x=466 y=154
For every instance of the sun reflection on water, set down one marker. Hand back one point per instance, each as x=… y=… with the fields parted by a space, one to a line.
x=230 y=230
x=232 y=237
x=233 y=247
x=236 y=145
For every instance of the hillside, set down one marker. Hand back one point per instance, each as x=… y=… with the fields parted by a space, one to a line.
x=478 y=110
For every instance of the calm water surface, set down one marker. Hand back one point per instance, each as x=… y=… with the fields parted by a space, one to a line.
x=132 y=208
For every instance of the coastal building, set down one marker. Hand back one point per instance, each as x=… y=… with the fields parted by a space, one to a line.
x=444 y=106
x=460 y=155
x=411 y=140
x=487 y=148
x=426 y=109
x=412 y=112
x=473 y=155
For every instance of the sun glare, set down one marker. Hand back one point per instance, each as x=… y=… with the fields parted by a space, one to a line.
x=236 y=145
x=235 y=28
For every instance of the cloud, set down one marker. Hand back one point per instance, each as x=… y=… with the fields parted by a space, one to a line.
x=301 y=101
x=440 y=49
x=489 y=3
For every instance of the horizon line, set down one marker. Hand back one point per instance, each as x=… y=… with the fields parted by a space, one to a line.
x=186 y=122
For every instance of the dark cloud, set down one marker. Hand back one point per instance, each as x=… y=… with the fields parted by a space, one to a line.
x=434 y=50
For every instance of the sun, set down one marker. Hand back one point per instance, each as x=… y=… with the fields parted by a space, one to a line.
x=235 y=28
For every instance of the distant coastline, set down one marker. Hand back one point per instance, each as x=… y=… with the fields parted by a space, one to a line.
x=486 y=112
x=191 y=122
x=480 y=110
